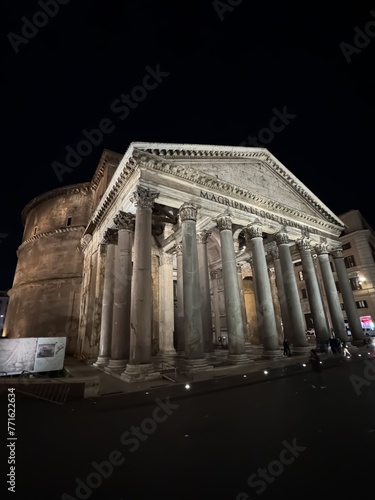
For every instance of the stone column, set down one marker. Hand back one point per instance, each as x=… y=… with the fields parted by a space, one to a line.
x=287 y=327
x=276 y=305
x=256 y=339
x=242 y=301
x=266 y=315
x=140 y=366
x=216 y=305
x=194 y=351
x=124 y=223
x=180 y=303
x=110 y=241
x=300 y=344
x=204 y=281
x=236 y=340
x=348 y=297
x=313 y=292
x=331 y=293
x=166 y=306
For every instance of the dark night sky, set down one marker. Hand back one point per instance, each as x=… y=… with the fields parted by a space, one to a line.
x=225 y=79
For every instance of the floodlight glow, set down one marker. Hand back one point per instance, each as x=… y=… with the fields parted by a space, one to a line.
x=187 y=386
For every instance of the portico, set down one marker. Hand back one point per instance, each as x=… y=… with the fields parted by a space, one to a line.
x=194 y=224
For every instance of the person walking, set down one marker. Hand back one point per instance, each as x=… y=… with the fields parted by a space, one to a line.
x=286 y=348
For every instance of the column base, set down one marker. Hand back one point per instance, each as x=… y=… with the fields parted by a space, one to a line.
x=166 y=353
x=181 y=354
x=101 y=361
x=197 y=365
x=300 y=350
x=254 y=350
x=358 y=342
x=238 y=359
x=140 y=373
x=116 y=366
x=272 y=354
x=210 y=355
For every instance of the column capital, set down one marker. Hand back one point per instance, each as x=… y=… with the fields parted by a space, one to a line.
x=322 y=247
x=203 y=236
x=143 y=197
x=188 y=211
x=282 y=237
x=337 y=252
x=304 y=243
x=166 y=258
x=223 y=222
x=274 y=253
x=110 y=236
x=254 y=230
x=124 y=220
x=178 y=248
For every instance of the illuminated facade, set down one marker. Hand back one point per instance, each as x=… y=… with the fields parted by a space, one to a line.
x=179 y=246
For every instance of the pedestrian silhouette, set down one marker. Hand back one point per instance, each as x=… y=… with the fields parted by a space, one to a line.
x=286 y=348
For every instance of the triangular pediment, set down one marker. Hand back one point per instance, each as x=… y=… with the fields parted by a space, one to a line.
x=251 y=170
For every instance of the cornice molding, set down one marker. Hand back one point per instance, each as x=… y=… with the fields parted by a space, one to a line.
x=108 y=158
x=50 y=233
x=82 y=187
x=152 y=159
x=126 y=170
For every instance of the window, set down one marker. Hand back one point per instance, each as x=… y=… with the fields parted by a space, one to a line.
x=361 y=304
x=346 y=246
x=35 y=229
x=298 y=263
x=300 y=275
x=355 y=284
x=337 y=286
x=349 y=261
x=342 y=306
x=69 y=221
x=304 y=294
x=332 y=268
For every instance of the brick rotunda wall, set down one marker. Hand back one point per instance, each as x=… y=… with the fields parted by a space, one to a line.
x=45 y=296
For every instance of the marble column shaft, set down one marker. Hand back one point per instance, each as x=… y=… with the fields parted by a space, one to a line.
x=216 y=305
x=291 y=292
x=205 y=291
x=180 y=302
x=191 y=287
x=331 y=293
x=243 y=304
x=313 y=291
x=141 y=297
x=166 y=306
x=110 y=240
x=287 y=327
x=266 y=318
x=236 y=340
x=122 y=291
x=348 y=298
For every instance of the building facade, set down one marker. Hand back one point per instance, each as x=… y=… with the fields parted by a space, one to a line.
x=358 y=250
x=180 y=247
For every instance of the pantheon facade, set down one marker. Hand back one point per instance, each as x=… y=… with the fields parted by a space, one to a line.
x=173 y=249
